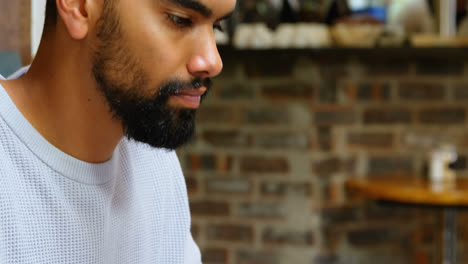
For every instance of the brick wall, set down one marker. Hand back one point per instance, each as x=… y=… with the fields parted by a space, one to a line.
x=282 y=131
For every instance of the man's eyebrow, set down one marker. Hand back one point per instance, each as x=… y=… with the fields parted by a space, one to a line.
x=226 y=17
x=194 y=5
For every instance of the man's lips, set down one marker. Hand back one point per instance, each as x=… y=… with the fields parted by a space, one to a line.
x=192 y=92
x=190 y=98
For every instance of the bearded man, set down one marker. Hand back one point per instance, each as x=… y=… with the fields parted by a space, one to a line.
x=87 y=133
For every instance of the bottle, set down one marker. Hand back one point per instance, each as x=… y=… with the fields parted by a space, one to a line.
x=441 y=176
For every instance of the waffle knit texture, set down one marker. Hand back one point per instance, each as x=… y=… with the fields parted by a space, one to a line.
x=56 y=209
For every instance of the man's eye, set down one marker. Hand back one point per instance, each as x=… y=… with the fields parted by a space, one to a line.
x=218 y=27
x=180 y=22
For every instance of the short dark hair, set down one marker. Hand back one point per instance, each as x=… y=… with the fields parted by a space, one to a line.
x=51 y=14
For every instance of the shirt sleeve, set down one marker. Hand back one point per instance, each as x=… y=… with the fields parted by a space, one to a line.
x=192 y=252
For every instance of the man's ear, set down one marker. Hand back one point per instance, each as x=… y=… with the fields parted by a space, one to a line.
x=74 y=14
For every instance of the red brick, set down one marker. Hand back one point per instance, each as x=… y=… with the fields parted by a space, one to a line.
x=328 y=92
x=332 y=115
x=424 y=234
x=284 y=140
x=327 y=258
x=289 y=237
x=461 y=91
x=325 y=138
x=427 y=91
x=235 y=91
x=452 y=115
x=462 y=256
x=373 y=91
x=334 y=165
x=229 y=232
x=228 y=186
x=195 y=230
x=266 y=115
x=332 y=236
x=209 y=208
x=462 y=228
x=386 y=66
x=388 y=165
x=387 y=116
x=192 y=185
x=334 y=67
x=341 y=215
x=261 y=210
x=370 y=140
x=422 y=257
x=217 y=114
x=210 y=162
x=351 y=90
x=373 y=236
x=462 y=141
x=373 y=211
x=439 y=67
x=214 y=255
x=283 y=188
x=330 y=192
x=261 y=164
x=289 y=91
x=231 y=138
x=257 y=257
x=258 y=66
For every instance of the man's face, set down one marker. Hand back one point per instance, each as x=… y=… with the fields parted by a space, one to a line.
x=152 y=60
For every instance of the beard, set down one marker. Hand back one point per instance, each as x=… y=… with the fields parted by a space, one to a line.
x=122 y=82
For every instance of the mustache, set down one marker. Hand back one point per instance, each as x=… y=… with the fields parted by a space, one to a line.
x=175 y=86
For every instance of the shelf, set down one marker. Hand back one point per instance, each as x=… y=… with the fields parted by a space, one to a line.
x=438 y=53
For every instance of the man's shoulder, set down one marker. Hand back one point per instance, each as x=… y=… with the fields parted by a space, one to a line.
x=9 y=148
x=7 y=136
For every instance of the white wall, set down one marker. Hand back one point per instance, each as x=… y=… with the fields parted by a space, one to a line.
x=37 y=23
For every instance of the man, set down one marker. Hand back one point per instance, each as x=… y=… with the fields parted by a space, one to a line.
x=87 y=168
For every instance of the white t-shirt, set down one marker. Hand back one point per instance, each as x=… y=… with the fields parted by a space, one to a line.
x=56 y=209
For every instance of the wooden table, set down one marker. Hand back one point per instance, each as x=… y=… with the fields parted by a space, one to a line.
x=412 y=191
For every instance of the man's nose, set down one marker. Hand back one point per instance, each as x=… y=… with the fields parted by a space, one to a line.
x=205 y=61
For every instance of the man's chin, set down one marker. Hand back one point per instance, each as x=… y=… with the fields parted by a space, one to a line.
x=171 y=132
x=167 y=143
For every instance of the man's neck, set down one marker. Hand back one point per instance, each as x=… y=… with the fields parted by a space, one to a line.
x=58 y=96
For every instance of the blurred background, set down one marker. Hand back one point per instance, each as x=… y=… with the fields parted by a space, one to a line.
x=315 y=94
